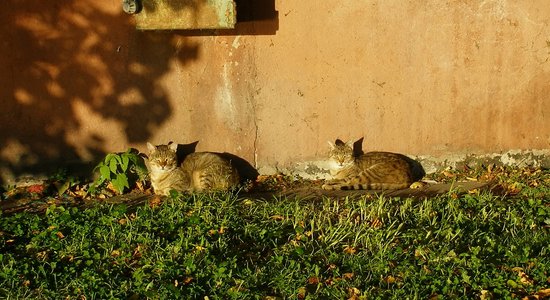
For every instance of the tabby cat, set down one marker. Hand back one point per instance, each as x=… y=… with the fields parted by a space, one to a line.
x=164 y=172
x=200 y=171
x=372 y=170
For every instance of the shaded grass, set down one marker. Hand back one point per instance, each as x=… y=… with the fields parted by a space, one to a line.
x=227 y=247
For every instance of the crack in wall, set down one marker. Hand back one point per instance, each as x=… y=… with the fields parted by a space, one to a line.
x=256 y=129
x=255 y=91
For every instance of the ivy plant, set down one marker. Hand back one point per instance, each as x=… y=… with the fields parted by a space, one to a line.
x=122 y=170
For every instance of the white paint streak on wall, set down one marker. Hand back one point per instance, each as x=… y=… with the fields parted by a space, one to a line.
x=225 y=102
x=498 y=8
x=236 y=42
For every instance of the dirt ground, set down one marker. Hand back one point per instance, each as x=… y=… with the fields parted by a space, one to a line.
x=306 y=190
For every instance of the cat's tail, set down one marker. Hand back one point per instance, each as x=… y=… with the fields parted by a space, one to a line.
x=388 y=186
x=206 y=180
x=200 y=181
x=342 y=185
x=363 y=186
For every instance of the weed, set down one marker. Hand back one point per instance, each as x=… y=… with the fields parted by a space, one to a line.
x=122 y=170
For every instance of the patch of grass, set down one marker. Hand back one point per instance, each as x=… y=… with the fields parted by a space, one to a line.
x=226 y=246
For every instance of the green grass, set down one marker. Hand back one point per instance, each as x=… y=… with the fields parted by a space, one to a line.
x=226 y=246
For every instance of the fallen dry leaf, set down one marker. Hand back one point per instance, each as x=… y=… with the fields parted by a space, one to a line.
x=524 y=278
x=354 y=293
x=544 y=293
x=541 y=294
x=376 y=223
x=139 y=186
x=137 y=251
x=301 y=293
x=42 y=255
x=313 y=280
x=448 y=174
x=155 y=202
x=262 y=178
x=111 y=187
x=473 y=192
x=433 y=296
x=277 y=217
x=36 y=188
x=390 y=279
x=115 y=253
x=349 y=250
x=79 y=193
x=348 y=275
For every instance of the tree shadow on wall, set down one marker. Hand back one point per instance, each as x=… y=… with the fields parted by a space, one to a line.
x=69 y=65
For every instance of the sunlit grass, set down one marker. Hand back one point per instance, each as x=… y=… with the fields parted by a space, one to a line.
x=227 y=246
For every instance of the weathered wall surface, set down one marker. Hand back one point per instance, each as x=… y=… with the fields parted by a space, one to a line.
x=424 y=78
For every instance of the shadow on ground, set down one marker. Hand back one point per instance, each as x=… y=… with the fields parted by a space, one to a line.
x=307 y=191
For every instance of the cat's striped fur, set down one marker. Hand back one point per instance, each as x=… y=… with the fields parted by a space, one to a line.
x=372 y=170
x=200 y=171
x=209 y=171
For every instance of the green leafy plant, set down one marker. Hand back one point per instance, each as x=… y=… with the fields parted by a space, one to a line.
x=122 y=170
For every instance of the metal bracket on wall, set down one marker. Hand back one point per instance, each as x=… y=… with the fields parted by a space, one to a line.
x=131 y=6
x=183 y=14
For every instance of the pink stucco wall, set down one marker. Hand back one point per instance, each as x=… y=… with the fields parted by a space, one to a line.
x=416 y=77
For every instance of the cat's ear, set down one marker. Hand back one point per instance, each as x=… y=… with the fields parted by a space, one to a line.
x=339 y=142
x=173 y=146
x=151 y=147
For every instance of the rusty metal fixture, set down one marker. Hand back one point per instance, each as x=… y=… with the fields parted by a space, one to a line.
x=131 y=6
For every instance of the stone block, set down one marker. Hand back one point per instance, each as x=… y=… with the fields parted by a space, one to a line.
x=186 y=14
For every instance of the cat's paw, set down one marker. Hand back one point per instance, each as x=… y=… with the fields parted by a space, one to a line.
x=418 y=185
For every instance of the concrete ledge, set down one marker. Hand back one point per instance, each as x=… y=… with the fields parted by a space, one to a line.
x=187 y=14
x=318 y=169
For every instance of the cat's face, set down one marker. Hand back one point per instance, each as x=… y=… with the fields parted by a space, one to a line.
x=162 y=158
x=340 y=155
